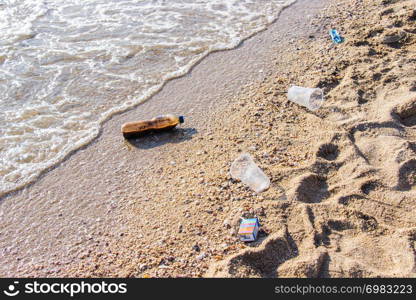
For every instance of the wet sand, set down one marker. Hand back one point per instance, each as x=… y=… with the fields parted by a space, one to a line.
x=166 y=205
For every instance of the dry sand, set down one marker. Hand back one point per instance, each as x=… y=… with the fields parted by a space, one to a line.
x=343 y=179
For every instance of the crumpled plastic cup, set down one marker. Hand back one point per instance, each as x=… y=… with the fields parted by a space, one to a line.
x=245 y=169
x=311 y=98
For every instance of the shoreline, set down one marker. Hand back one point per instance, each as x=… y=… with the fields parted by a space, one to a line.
x=117 y=111
x=167 y=207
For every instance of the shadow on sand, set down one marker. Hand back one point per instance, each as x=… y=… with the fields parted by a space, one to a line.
x=156 y=139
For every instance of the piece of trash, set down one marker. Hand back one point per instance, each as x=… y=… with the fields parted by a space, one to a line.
x=164 y=122
x=244 y=169
x=312 y=98
x=335 y=36
x=249 y=228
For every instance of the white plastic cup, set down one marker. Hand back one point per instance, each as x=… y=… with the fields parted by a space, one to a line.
x=312 y=98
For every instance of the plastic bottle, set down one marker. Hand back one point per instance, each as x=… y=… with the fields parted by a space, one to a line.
x=138 y=128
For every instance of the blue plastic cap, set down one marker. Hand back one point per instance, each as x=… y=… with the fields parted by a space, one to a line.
x=181 y=119
x=336 y=37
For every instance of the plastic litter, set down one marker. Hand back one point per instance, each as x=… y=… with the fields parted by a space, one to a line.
x=312 y=98
x=164 y=122
x=249 y=228
x=244 y=169
x=335 y=36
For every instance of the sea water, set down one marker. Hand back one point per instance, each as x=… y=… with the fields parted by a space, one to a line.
x=67 y=65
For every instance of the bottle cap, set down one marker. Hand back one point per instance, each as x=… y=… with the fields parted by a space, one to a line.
x=181 y=119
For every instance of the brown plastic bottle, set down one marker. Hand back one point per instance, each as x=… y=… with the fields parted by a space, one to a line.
x=138 y=128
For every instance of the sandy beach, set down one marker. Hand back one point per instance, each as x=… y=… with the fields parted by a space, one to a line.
x=343 y=179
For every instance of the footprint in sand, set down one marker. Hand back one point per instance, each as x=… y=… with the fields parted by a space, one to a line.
x=328 y=151
x=346 y=243
x=309 y=188
x=261 y=262
x=406 y=113
x=386 y=145
x=407 y=176
x=313 y=187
